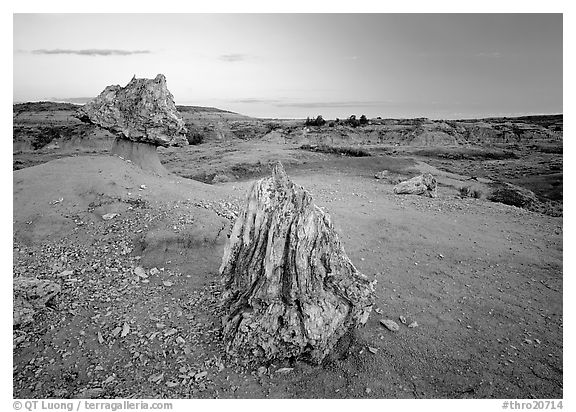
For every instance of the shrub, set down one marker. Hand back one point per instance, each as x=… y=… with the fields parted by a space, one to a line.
x=344 y=151
x=363 y=119
x=468 y=191
x=194 y=137
x=319 y=121
x=352 y=121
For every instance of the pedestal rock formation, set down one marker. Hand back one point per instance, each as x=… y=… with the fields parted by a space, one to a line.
x=424 y=185
x=31 y=295
x=142 y=115
x=290 y=290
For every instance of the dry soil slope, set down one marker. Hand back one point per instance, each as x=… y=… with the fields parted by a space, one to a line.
x=483 y=281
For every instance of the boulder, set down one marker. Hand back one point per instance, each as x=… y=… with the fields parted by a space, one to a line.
x=513 y=195
x=31 y=295
x=142 y=112
x=384 y=174
x=142 y=116
x=424 y=185
x=290 y=290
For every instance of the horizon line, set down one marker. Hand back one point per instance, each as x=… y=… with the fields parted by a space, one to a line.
x=472 y=117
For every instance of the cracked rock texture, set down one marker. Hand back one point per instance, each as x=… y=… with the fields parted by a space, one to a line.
x=30 y=295
x=290 y=290
x=424 y=185
x=142 y=112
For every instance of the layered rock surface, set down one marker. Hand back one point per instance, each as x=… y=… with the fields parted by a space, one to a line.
x=290 y=289
x=143 y=111
x=424 y=185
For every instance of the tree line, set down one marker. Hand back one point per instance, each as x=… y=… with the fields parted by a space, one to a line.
x=351 y=121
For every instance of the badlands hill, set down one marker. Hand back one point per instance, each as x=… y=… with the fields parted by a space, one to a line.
x=226 y=146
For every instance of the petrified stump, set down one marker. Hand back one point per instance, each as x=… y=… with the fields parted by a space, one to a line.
x=290 y=289
x=31 y=295
x=142 y=115
x=424 y=185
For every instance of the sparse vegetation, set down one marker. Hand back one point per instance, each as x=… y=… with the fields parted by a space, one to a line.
x=467 y=191
x=344 y=151
x=194 y=137
x=352 y=121
x=319 y=121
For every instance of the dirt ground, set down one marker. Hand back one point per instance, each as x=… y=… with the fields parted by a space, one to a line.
x=138 y=316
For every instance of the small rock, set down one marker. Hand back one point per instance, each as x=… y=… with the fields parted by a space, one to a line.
x=142 y=187
x=413 y=325
x=372 y=350
x=390 y=324
x=402 y=319
x=167 y=283
x=368 y=391
x=537 y=341
x=154 y=271
x=262 y=370
x=89 y=393
x=65 y=273
x=125 y=329
x=200 y=375
x=284 y=370
x=109 y=216
x=379 y=311
x=139 y=271
x=108 y=380
x=171 y=384
x=156 y=378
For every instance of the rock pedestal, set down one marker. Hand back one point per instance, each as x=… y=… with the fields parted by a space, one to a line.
x=142 y=115
x=290 y=290
x=141 y=154
x=424 y=185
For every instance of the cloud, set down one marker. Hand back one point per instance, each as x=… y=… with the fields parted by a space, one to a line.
x=490 y=55
x=234 y=57
x=91 y=52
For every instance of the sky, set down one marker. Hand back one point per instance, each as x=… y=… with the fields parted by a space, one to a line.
x=441 y=66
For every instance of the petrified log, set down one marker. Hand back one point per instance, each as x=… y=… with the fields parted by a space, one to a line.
x=424 y=185
x=290 y=290
x=31 y=295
